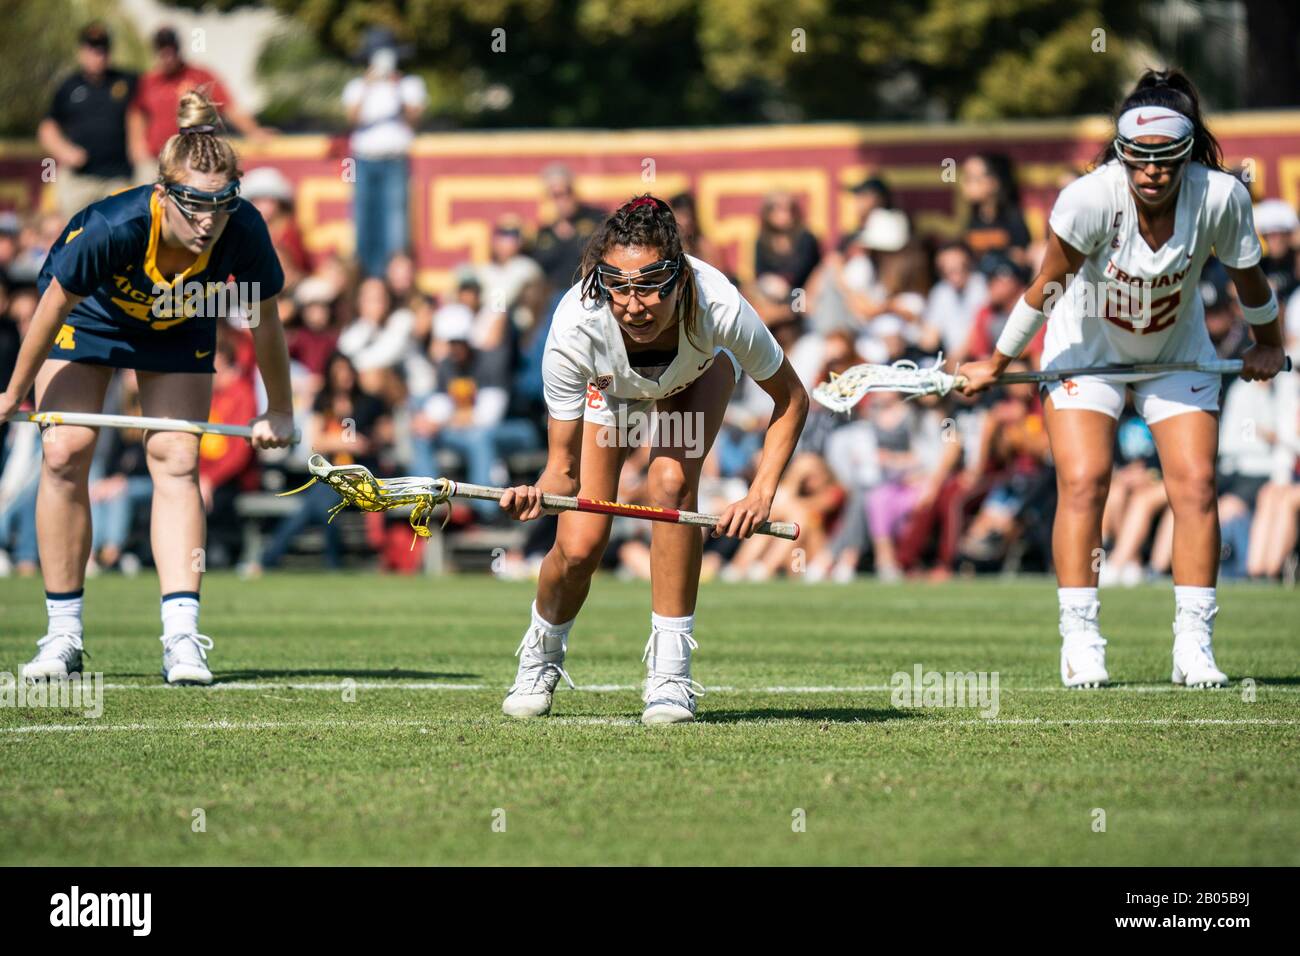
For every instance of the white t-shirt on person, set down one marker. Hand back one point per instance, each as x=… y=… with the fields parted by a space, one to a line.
x=585 y=346
x=382 y=131
x=1102 y=318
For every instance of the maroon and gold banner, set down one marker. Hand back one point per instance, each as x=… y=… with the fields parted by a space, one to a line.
x=462 y=182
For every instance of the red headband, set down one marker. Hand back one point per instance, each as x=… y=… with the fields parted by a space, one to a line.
x=643 y=201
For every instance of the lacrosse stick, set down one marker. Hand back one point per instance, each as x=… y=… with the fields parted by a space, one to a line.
x=355 y=485
x=845 y=390
x=95 y=420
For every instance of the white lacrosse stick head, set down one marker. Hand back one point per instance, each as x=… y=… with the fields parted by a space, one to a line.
x=845 y=390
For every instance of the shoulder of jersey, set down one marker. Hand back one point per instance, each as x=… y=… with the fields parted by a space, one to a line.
x=713 y=283
x=125 y=214
x=571 y=312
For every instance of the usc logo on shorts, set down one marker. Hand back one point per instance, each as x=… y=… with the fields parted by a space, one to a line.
x=1071 y=387
x=594 y=398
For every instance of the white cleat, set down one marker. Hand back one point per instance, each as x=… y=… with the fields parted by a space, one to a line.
x=669 y=693
x=1194 y=663
x=1083 y=649
x=59 y=656
x=185 y=659
x=541 y=660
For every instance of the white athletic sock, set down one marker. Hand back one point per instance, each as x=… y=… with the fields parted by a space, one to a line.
x=180 y=613
x=1076 y=597
x=1185 y=596
x=553 y=635
x=64 y=611
x=671 y=641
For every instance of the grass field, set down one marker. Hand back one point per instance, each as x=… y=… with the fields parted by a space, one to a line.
x=418 y=768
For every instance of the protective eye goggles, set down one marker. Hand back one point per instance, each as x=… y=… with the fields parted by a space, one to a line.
x=657 y=277
x=196 y=202
x=1134 y=153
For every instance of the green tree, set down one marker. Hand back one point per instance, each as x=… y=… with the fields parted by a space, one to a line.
x=38 y=47
x=620 y=63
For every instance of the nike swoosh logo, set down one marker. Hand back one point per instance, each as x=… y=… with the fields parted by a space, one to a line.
x=1200 y=388
x=1143 y=120
x=202 y=355
x=74 y=234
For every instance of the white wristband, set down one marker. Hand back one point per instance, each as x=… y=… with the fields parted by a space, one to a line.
x=1261 y=314
x=1022 y=325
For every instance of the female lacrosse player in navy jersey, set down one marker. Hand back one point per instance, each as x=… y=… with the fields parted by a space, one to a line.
x=135 y=281
x=647 y=330
x=1133 y=236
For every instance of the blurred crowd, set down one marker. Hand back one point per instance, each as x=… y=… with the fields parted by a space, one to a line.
x=408 y=382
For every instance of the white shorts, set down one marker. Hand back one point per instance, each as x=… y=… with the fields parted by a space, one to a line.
x=1155 y=399
x=610 y=409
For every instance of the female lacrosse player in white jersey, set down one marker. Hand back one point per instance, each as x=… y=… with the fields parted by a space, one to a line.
x=647 y=331
x=1128 y=242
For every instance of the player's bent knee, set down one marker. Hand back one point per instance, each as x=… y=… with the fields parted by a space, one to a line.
x=669 y=485
x=173 y=455
x=580 y=555
x=67 y=456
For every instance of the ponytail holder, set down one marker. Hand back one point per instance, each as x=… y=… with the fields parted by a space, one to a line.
x=206 y=128
x=643 y=201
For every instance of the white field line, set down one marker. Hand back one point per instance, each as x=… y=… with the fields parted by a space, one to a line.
x=424 y=725
x=338 y=686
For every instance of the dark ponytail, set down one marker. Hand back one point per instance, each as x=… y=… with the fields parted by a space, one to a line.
x=648 y=222
x=1171 y=89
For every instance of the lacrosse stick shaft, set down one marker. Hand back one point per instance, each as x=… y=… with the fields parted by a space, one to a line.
x=1220 y=366
x=778 y=529
x=96 y=420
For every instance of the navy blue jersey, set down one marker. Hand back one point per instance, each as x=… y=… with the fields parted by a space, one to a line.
x=132 y=316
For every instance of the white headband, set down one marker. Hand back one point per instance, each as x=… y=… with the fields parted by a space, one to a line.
x=1153 y=121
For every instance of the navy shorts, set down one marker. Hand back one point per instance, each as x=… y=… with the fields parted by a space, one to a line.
x=178 y=350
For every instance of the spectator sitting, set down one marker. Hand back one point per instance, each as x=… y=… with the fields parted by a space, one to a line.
x=784 y=245
x=1276 y=222
x=85 y=130
x=379 y=341
x=559 y=243
x=994 y=223
x=1006 y=283
x=694 y=242
x=313 y=338
x=271 y=194
x=503 y=280
x=467 y=411
x=11 y=228
x=869 y=195
x=957 y=297
x=151 y=119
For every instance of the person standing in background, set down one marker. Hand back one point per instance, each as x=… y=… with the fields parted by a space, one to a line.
x=85 y=129
x=151 y=118
x=383 y=107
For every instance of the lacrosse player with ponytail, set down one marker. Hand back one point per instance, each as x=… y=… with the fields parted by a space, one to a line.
x=647 y=330
x=1126 y=244
x=136 y=281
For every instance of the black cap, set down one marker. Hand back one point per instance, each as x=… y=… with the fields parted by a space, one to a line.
x=994 y=264
x=872 y=184
x=166 y=37
x=96 y=35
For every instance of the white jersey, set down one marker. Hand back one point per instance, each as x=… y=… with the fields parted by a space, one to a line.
x=1131 y=303
x=585 y=347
